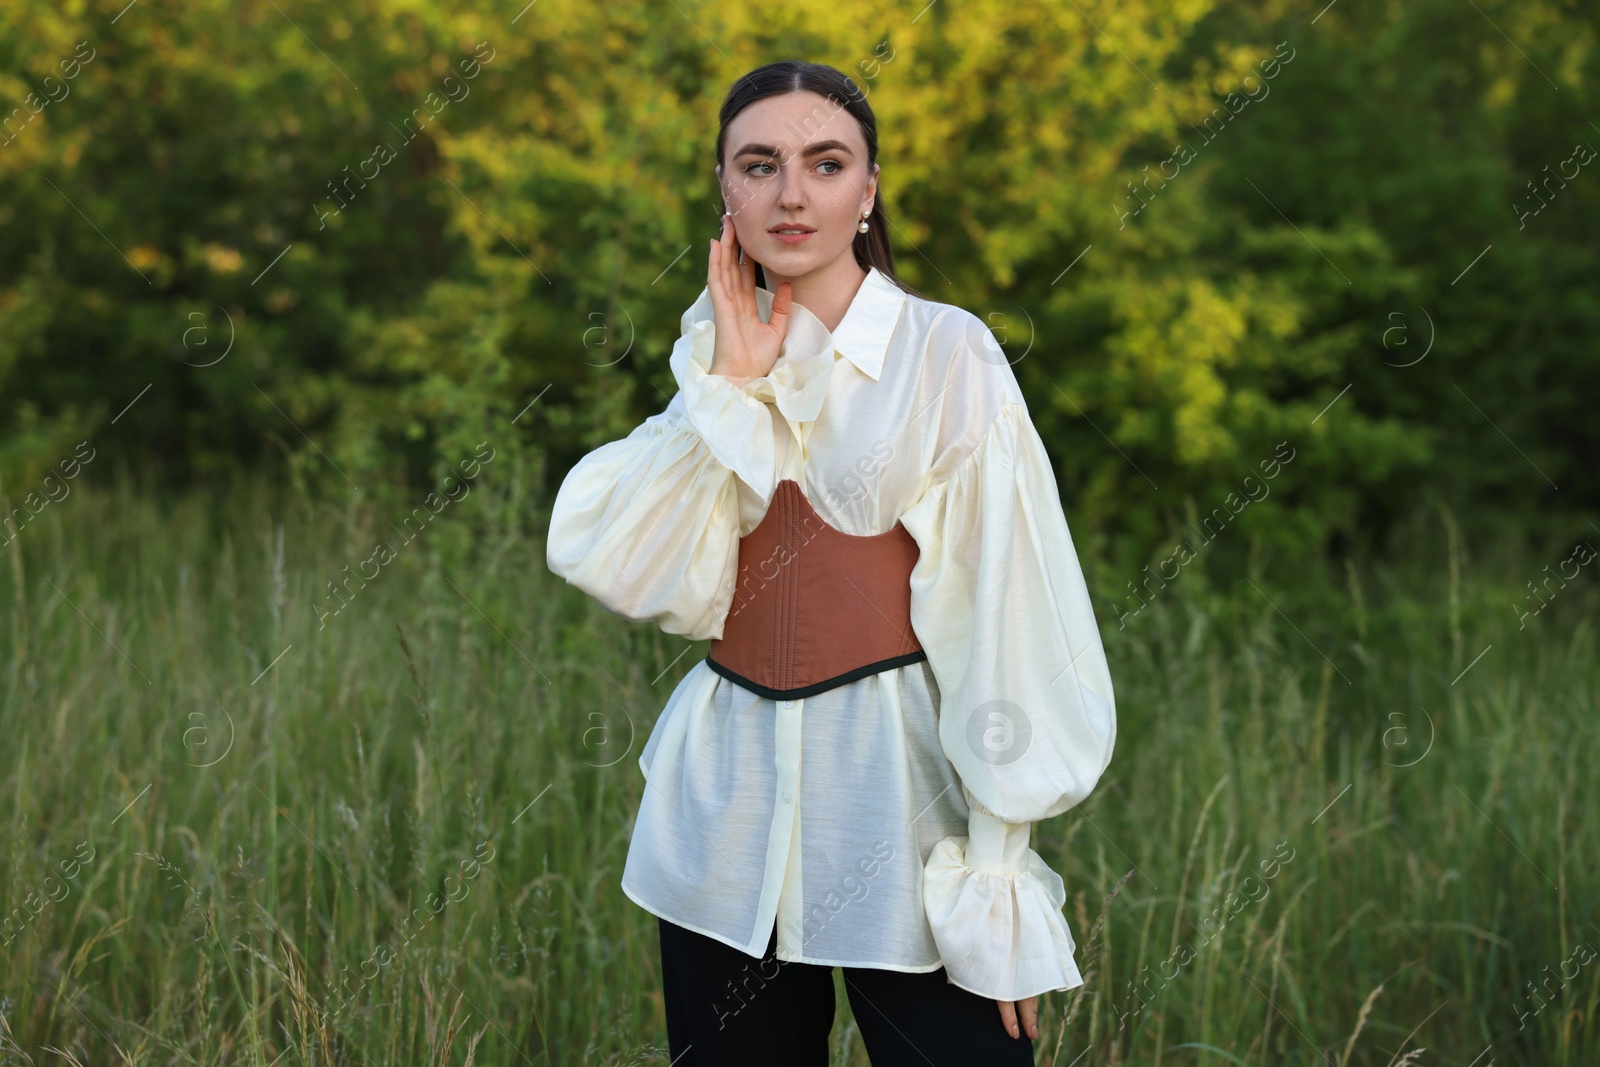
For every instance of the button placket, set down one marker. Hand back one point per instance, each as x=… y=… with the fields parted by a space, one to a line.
x=789 y=770
x=784 y=795
x=782 y=854
x=790 y=894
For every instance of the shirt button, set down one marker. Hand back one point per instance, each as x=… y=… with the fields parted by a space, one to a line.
x=785 y=796
x=788 y=703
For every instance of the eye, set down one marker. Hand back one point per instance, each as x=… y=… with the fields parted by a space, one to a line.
x=831 y=163
x=753 y=165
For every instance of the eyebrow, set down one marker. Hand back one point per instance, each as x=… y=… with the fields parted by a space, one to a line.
x=816 y=149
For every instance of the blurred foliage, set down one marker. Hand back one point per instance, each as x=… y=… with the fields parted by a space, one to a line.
x=355 y=241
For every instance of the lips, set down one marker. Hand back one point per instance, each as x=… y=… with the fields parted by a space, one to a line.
x=796 y=227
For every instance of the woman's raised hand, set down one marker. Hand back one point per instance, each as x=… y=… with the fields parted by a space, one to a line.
x=746 y=348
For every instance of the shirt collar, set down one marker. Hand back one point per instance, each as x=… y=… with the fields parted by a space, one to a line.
x=862 y=336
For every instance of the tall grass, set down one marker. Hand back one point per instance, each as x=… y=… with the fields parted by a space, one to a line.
x=394 y=835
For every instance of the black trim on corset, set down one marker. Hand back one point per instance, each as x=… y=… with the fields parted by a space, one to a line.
x=819 y=687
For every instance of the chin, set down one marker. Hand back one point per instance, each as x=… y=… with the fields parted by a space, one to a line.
x=794 y=262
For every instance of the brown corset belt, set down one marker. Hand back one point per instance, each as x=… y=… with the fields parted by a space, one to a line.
x=815 y=608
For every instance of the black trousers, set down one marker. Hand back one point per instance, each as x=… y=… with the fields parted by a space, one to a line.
x=727 y=1009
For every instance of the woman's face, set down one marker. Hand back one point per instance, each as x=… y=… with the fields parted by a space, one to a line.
x=796 y=160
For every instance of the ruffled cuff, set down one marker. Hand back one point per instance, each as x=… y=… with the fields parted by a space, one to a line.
x=732 y=419
x=995 y=910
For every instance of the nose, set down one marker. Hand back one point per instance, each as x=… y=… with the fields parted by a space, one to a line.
x=792 y=194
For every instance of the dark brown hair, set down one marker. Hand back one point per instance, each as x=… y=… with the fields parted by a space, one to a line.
x=794 y=75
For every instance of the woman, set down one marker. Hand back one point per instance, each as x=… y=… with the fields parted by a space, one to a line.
x=848 y=497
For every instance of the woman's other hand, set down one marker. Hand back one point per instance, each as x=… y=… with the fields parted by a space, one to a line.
x=1027 y=1008
x=1024 y=1011
x=746 y=348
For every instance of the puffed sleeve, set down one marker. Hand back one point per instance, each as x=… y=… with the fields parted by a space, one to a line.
x=1026 y=714
x=649 y=525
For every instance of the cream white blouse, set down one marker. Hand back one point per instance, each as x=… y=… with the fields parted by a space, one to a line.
x=885 y=822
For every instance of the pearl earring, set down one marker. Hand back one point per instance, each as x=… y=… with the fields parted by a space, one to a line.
x=864 y=216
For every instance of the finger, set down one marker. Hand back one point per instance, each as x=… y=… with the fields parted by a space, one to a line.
x=1008 y=1016
x=714 y=279
x=747 y=272
x=1028 y=1016
x=728 y=254
x=741 y=276
x=782 y=303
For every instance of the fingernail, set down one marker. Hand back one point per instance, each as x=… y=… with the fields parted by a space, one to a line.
x=1013 y=1030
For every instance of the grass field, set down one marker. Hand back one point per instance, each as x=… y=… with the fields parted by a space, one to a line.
x=1347 y=820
